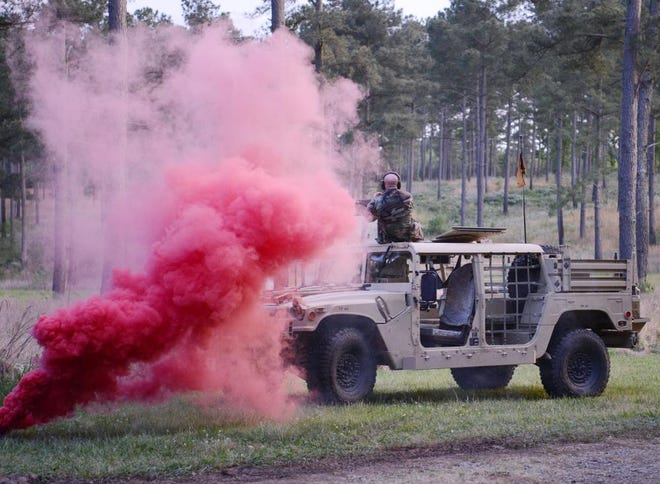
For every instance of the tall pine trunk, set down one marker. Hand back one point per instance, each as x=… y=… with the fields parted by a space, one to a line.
x=60 y=175
x=318 y=45
x=117 y=15
x=652 y=41
x=628 y=139
x=441 y=152
x=642 y=186
x=574 y=166
x=651 y=170
x=507 y=150
x=481 y=143
x=598 y=249
x=560 y=208
x=277 y=14
x=532 y=155
x=24 y=244
x=464 y=160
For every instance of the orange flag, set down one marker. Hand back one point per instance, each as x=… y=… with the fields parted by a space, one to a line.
x=520 y=174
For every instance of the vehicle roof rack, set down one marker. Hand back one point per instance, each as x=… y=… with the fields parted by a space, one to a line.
x=468 y=234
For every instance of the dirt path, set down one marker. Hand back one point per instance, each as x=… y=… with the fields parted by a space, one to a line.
x=616 y=460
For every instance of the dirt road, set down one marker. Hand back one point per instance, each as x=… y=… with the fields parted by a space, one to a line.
x=616 y=460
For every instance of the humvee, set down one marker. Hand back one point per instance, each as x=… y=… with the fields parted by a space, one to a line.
x=478 y=308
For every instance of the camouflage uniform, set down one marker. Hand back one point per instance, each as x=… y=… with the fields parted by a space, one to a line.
x=393 y=210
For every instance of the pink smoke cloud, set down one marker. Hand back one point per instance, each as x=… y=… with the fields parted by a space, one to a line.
x=223 y=178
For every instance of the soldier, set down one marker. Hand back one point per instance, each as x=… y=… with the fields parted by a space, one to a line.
x=393 y=210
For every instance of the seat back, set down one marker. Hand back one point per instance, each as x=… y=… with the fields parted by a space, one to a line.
x=459 y=302
x=430 y=283
x=522 y=279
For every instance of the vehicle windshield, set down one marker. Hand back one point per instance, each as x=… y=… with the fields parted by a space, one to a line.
x=390 y=266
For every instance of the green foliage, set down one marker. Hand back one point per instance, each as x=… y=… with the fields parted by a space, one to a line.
x=8 y=379
x=91 y=12
x=149 y=16
x=436 y=226
x=200 y=12
x=179 y=438
x=645 y=285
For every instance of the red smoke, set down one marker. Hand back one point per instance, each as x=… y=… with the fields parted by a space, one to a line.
x=242 y=197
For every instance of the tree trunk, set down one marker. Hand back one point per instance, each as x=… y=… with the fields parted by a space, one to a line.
x=277 y=14
x=429 y=170
x=598 y=250
x=441 y=151
x=37 y=203
x=474 y=148
x=628 y=139
x=117 y=15
x=652 y=41
x=547 y=156
x=642 y=185
x=24 y=252
x=318 y=45
x=560 y=209
x=573 y=158
x=583 y=193
x=583 y=181
x=3 y=215
x=422 y=157
x=532 y=155
x=59 y=171
x=481 y=142
x=464 y=160
x=507 y=150
x=59 y=272
x=651 y=170
x=490 y=156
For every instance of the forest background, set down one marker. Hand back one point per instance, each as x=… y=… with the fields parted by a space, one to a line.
x=453 y=102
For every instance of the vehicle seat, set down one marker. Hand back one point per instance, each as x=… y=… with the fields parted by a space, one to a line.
x=430 y=283
x=458 y=311
x=522 y=279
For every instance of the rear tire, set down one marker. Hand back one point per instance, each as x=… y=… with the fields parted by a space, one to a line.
x=347 y=366
x=483 y=377
x=579 y=365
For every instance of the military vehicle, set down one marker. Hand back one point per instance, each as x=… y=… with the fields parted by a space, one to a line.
x=476 y=307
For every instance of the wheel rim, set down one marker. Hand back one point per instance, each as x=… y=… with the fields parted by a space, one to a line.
x=349 y=366
x=580 y=369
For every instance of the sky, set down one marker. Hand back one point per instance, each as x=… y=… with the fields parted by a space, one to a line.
x=240 y=9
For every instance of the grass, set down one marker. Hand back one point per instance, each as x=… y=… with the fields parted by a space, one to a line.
x=424 y=408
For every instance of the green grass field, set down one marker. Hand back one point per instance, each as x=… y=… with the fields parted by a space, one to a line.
x=408 y=409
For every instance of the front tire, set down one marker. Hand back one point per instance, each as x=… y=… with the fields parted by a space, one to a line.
x=483 y=377
x=306 y=362
x=347 y=366
x=579 y=366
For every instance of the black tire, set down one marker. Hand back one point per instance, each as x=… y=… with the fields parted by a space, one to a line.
x=579 y=365
x=483 y=377
x=307 y=363
x=347 y=366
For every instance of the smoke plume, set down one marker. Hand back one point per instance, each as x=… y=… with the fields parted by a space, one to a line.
x=212 y=166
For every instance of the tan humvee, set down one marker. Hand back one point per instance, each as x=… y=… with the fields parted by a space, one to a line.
x=479 y=309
